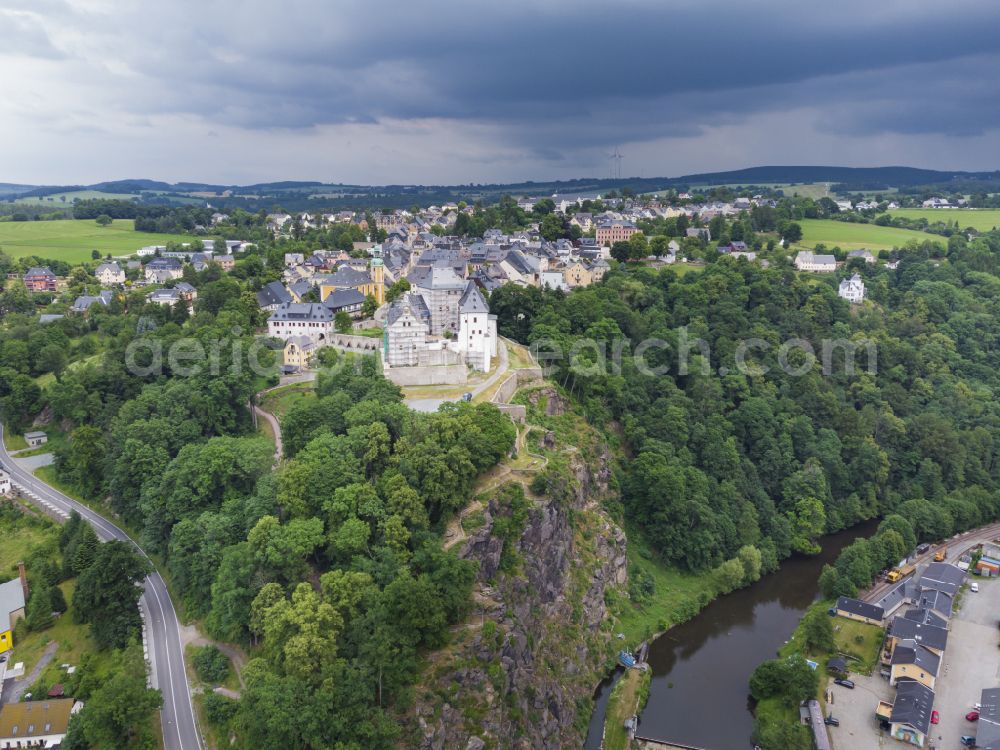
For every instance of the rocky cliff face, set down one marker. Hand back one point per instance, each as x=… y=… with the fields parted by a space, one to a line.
x=520 y=672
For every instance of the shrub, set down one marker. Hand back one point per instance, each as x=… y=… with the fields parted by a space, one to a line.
x=211 y=664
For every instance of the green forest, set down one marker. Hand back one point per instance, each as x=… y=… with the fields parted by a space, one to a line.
x=717 y=462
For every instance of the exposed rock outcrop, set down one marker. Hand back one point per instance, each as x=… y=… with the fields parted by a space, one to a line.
x=520 y=672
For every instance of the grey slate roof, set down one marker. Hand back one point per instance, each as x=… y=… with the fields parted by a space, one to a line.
x=926 y=617
x=11 y=600
x=927 y=635
x=40 y=271
x=937 y=600
x=273 y=294
x=437 y=277
x=472 y=300
x=942 y=577
x=302 y=311
x=301 y=287
x=346 y=277
x=341 y=298
x=913 y=705
x=860 y=608
x=988 y=726
x=416 y=303
x=924 y=658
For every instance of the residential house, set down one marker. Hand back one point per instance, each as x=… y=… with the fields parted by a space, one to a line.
x=37 y=723
x=298 y=353
x=855 y=609
x=902 y=629
x=942 y=577
x=910 y=719
x=700 y=233
x=852 y=289
x=170 y=297
x=309 y=319
x=162 y=270
x=40 y=279
x=83 y=303
x=350 y=301
x=553 y=279
x=865 y=255
x=272 y=295
x=149 y=250
x=911 y=661
x=577 y=274
x=365 y=282
x=110 y=273
x=226 y=262
x=13 y=596
x=300 y=289
x=806 y=260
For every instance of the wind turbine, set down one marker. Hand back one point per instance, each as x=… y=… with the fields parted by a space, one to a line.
x=616 y=164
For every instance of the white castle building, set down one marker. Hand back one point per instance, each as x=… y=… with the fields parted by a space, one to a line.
x=411 y=334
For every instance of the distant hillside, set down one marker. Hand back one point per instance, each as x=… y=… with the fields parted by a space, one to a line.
x=301 y=195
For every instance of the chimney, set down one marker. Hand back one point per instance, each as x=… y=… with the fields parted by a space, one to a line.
x=24 y=580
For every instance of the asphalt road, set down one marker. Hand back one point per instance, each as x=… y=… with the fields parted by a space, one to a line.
x=166 y=652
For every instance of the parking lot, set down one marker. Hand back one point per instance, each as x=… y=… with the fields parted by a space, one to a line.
x=971 y=663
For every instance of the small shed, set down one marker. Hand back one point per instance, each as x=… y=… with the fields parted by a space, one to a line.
x=987 y=566
x=34 y=439
x=57 y=691
x=837 y=664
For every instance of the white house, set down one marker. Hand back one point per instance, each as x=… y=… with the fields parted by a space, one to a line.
x=4 y=482
x=852 y=289
x=806 y=260
x=301 y=319
x=143 y=252
x=110 y=273
x=865 y=255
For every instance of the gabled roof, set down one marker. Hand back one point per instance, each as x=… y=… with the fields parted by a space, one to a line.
x=411 y=301
x=917 y=655
x=936 y=600
x=35 y=718
x=346 y=277
x=988 y=726
x=913 y=705
x=942 y=577
x=925 y=617
x=11 y=600
x=111 y=266
x=860 y=608
x=927 y=635
x=273 y=294
x=341 y=298
x=40 y=271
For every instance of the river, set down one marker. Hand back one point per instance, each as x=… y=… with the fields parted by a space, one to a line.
x=701 y=668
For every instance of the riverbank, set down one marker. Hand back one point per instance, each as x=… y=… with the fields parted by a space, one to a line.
x=628 y=698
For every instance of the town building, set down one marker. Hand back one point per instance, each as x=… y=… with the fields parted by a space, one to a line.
x=36 y=438
x=806 y=260
x=272 y=296
x=310 y=319
x=855 y=609
x=40 y=279
x=608 y=233
x=36 y=723
x=910 y=719
x=13 y=596
x=5 y=485
x=83 y=303
x=162 y=270
x=852 y=289
x=110 y=273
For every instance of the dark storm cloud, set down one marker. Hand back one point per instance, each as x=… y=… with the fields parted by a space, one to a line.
x=559 y=76
x=558 y=81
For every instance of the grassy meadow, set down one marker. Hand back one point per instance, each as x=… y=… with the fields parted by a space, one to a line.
x=856 y=236
x=981 y=219
x=72 y=240
x=65 y=199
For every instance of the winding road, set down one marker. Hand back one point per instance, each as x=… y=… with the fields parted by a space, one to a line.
x=162 y=632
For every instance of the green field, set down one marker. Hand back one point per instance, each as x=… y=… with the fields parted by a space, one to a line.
x=855 y=236
x=59 y=200
x=981 y=219
x=73 y=240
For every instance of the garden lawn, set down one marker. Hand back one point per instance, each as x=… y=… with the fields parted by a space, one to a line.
x=856 y=236
x=981 y=219
x=72 y=240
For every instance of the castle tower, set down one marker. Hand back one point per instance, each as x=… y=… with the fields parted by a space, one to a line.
x=378 y=274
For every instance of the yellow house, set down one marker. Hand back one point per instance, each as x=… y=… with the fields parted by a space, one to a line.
x=577 y=274
x=298 y=353
x=911 y=661
x=11 y=610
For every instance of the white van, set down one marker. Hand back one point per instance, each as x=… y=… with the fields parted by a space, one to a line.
x=974 y=587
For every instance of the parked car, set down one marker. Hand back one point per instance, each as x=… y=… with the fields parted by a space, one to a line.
x=922 y=548
x=467 y=396
x=935 y=717
x=974 y=587
x=972 y=716
x=831 y=721
x=968 y=740
x=845 y=683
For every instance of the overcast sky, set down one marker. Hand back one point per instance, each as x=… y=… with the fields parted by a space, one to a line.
x=437 y=91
